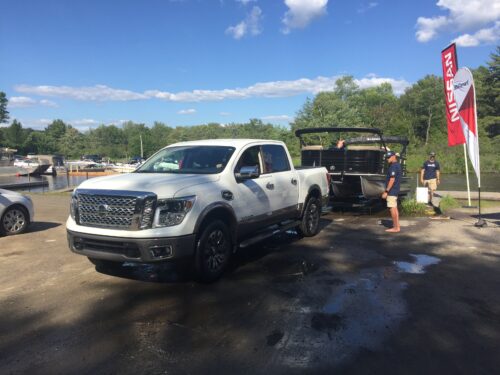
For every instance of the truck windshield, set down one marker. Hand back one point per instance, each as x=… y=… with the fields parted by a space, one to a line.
x=188 y=160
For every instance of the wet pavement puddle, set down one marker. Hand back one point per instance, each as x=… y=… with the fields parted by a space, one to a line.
x=358 y=313
x=419 y=266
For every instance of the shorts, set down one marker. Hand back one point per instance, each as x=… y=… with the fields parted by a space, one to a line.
x=392 y=201
x=431 y=184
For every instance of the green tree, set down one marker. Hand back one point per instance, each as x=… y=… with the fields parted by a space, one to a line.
x=71 y=143
x=4 y=114
x=160 y=136
x=53 y=134
x=36 y=142
x=424 y=101
x=14 y=135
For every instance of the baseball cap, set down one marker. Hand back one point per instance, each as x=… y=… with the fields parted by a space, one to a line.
x=389 y=154
x=432 y=153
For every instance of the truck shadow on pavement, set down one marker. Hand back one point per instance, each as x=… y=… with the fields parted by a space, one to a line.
x=181 y=271
x=334 y=302
x=39 y=226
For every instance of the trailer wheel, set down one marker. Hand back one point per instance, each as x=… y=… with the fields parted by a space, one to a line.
x=309 y=225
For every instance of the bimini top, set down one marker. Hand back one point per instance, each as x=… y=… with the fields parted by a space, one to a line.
x=299 y=132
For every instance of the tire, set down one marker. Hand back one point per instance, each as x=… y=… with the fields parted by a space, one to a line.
x=14 y=220
x=213 y=252
x=105 y=264
x=309 y=225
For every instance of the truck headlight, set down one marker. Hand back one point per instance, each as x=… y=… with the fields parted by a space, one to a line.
x=73 y=206
x=171 y=212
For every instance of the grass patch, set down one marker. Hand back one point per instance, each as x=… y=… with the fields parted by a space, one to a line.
x=484 y=203
x=448 y=203
x=410 y=207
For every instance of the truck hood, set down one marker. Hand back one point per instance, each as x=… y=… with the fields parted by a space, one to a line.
x=164 y=185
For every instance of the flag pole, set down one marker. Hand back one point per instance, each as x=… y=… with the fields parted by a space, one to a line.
x=467 y=177
x=480 y=221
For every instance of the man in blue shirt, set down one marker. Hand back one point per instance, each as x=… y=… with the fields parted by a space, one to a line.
x=392 y=187
x=430 y=175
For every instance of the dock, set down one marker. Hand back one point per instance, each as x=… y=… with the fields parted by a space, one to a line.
x=23 y=184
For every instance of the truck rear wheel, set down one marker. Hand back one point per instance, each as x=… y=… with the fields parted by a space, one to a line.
x=213 y=251
x=309 y=225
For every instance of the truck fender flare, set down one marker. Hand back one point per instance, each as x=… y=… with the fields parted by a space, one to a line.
x=312 y=189
x=211 y=208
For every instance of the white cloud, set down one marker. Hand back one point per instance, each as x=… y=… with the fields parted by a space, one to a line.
x=398 y=85
x=48 y=103
x=367 y=7
x=189 y=111
x=429 y=27
x=84 y=122
x=301 y=13
x=272 y=89
x=276 y=89
x=250 y=25
x=93 y=93
x=245 y=2
x=24 y=101
x=277 y=118
x=484 y=36
x=462 y=15
x=21 y=101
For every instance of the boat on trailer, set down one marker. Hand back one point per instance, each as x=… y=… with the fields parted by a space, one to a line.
x=357 y=170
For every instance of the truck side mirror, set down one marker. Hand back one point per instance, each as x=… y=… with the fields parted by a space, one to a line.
x=248 y=172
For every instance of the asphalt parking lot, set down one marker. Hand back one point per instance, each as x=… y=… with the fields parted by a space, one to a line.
x=353 y=299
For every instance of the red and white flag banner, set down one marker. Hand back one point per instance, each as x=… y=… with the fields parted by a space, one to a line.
x=465 y=97
x=450 y=66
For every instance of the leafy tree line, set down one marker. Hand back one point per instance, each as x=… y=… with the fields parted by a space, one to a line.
x=418 y=114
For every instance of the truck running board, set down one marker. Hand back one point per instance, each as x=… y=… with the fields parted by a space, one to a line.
x=269 y=233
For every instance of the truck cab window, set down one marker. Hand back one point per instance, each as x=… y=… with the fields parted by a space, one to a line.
x=249 y=158
x=275 y=159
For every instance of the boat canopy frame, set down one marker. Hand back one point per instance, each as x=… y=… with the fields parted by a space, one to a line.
x=378 y=138
x=300 y=132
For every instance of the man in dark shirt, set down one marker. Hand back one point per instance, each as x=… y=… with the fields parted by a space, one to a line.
x=392 y=187
x=430 y=175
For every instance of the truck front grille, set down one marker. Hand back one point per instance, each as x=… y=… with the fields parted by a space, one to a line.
x=113 y=210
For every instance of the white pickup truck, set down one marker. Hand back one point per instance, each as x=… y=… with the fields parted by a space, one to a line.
x=198 y=201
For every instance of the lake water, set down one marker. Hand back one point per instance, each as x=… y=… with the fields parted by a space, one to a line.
x=490 y=182
x=457 y=182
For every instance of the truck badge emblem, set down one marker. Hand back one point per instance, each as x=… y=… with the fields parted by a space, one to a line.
x=103 y=210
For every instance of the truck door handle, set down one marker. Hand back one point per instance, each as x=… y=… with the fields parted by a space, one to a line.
x=270 y=186
x=294 y=181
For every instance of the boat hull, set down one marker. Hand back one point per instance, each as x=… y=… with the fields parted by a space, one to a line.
x=363 y=186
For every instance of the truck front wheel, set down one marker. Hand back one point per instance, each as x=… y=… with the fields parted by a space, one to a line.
x=213 y=251
x=309 y=225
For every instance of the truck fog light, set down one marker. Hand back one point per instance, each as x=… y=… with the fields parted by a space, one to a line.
x=160 y=251
x=77 y=244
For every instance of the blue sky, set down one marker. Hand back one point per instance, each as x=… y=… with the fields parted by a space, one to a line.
x=186 y=62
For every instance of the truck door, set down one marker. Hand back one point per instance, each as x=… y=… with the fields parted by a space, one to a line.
x=285 y=193
x=251 y=199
